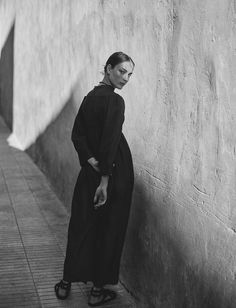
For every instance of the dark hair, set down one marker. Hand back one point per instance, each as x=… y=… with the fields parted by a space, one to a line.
x=116 y=58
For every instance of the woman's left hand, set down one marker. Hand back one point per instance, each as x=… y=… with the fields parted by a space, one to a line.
x=94 y=163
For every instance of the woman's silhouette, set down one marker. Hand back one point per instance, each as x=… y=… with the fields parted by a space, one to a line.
x=103 y=191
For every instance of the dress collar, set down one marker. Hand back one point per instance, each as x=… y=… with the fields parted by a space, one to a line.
x=104 y=85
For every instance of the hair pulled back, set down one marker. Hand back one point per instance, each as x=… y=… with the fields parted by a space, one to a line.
x=117 y=58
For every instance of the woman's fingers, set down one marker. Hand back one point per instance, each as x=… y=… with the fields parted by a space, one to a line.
x=100 y=202
x=96 y=168
x=95 y=198
x=94 y=163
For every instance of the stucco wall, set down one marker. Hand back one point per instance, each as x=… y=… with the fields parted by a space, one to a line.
x=180 y=122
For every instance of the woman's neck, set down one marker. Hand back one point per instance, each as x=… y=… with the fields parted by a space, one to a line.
x=106 y=81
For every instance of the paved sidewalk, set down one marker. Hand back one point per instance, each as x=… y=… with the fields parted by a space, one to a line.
x=33 y=231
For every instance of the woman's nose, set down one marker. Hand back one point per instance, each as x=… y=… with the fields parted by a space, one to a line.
x=126 y=77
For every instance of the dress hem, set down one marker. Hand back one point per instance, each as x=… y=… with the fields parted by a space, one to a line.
x=89 y=280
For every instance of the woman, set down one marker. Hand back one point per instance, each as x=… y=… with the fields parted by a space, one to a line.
x=103 y=191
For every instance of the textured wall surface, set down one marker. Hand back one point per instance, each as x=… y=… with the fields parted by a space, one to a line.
x=180 y=124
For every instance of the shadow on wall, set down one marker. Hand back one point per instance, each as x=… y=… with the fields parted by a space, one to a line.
x=154 y=267
x=54 y=153
x=6 y=78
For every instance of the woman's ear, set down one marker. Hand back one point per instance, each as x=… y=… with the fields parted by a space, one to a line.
x=109 y=67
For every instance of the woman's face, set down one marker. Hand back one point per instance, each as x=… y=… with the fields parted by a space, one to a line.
x=119 y=75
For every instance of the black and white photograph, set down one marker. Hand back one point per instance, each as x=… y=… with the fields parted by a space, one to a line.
x=118 y=153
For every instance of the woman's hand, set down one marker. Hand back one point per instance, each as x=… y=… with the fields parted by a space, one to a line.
x=94 y=163
x=100 y=196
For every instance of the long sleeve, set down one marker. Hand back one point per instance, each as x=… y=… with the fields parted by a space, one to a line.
x=79 y=138
x=111 y=134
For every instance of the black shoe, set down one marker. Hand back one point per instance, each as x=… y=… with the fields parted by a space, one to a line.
x=62 y=285
x=105 y=294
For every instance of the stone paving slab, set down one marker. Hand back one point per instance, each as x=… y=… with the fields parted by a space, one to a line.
x=33 y=235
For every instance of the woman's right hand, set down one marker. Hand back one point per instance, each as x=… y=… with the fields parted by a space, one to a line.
x=94 y=163
x=100 y=196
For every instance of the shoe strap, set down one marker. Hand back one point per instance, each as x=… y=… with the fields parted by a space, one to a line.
x=64 y=285
x=96 y=293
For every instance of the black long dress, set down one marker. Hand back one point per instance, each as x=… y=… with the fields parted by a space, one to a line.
x=96 y=236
